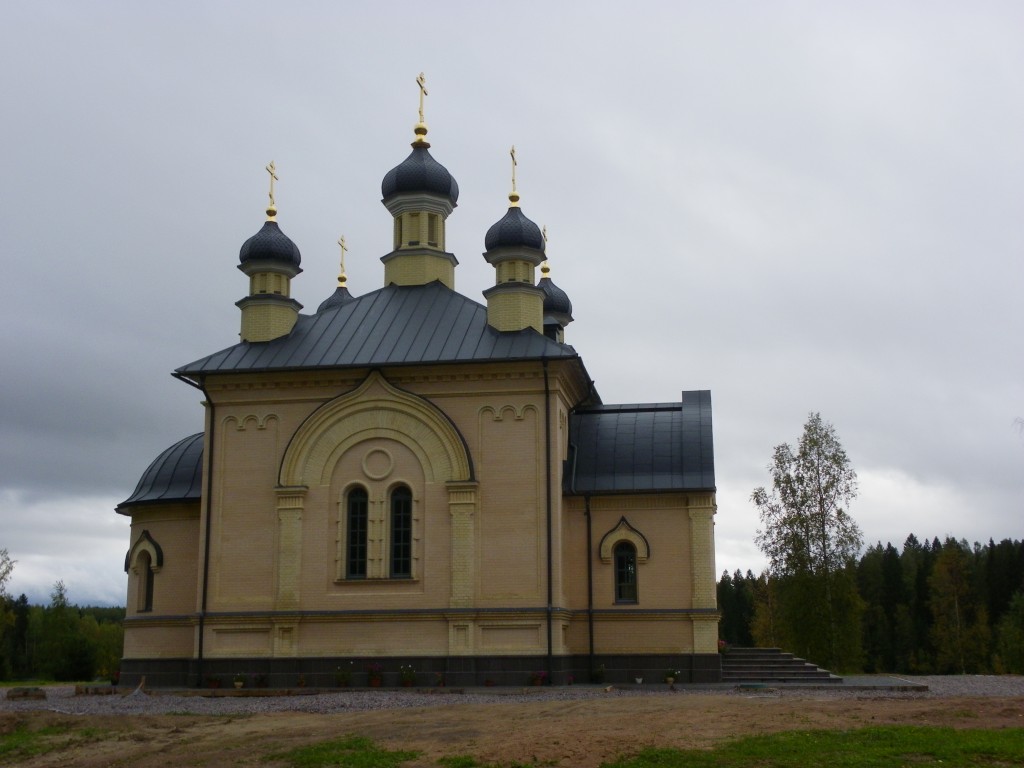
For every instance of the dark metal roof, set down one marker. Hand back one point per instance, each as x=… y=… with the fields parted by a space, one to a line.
x=420 y=172
x=514 y=230
x=175 y=475
x=396 y=325
x=642 y=448
x=270 y=244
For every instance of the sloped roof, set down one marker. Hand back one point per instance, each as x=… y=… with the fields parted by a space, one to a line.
x=175 y=475
x=653 y=447
x=396 y=325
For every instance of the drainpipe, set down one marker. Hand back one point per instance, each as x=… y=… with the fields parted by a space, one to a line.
x=590 y=580
x=548 y=476
x=201 y=386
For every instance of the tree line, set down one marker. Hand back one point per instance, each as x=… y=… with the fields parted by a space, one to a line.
x=938 y=607
x=58 y=641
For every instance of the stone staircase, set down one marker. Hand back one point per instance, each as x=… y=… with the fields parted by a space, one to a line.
x=772 y=665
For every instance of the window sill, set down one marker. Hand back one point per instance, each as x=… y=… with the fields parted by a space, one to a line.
x=384 y=580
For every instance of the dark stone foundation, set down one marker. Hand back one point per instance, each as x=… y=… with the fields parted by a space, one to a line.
x=462 y=671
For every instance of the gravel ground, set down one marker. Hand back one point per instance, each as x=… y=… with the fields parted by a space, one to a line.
x=63 y=699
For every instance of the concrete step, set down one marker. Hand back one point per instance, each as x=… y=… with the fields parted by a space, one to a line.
x=771 y=665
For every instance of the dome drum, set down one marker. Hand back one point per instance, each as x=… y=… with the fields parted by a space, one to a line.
x=415 y=202
x=514 y=253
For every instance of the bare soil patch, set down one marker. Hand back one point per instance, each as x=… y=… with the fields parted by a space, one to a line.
x=580 y=732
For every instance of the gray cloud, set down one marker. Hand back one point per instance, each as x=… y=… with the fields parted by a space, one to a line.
x=799 y=207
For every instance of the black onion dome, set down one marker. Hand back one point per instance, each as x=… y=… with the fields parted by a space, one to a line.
x=336 y=299
x=175 y=475
x=420 y=172
x=270 y=244
x=514 y=229
x=556 y=301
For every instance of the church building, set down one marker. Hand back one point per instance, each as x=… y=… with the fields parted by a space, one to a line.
x=410 y=479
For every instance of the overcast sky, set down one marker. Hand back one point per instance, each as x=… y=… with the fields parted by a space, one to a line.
x=799 y=206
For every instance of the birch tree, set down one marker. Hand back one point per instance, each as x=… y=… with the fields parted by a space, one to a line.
x=811 y=542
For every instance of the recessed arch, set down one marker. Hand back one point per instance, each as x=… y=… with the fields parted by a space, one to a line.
x=623 y=531
x=145 y=543
x=375 y=409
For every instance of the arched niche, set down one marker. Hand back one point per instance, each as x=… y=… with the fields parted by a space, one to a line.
x=375 y=409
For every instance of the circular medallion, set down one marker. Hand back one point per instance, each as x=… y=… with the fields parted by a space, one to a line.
x=377 y=464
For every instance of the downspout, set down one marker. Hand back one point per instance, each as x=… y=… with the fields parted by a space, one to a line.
x=548 y=476
x=590 y=581
x=589 y=552
x=209 y=508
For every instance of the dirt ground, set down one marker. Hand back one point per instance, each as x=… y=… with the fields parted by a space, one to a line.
x=579 y=733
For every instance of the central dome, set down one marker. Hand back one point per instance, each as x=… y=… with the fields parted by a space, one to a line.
x=420 y=172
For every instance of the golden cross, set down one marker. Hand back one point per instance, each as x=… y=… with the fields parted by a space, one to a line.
x=272 y=170
x=514 y=163
x=421 y=81
x=344 y=248
x=544 y=234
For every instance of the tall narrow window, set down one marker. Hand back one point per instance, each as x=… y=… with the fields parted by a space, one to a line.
x=625 y=572
x=355 y=544
x=145 y=570
x=432 y=229
x=401 y=533
x=414 y=226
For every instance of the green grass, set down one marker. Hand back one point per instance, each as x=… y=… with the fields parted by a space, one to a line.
x=23 y=743
x=866 y=748
x=462 y=761
x=888 y=747
x=350 y=752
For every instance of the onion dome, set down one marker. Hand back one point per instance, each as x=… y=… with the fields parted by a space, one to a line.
x=514 y=230
x=420 y=172
x=175 y=475
x=270 y=244
x=336 y=299
x=556 y=301
x=341 y=294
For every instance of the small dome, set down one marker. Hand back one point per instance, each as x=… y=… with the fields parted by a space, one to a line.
x=556 y=301
x=514 y=229
x=270 y=244
x=175 y=475
x=336 y=299
x=420 y=172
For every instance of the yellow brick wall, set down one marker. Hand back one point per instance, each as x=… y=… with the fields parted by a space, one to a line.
x=418 y=268
x=266 y=321
x=175 y=527
x=271 y=543
x=515 y=310
x=159 y=641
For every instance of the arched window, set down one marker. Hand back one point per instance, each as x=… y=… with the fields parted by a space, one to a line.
x=144 y=567
x=401 y=533
x=625 y=573
x=356 y=526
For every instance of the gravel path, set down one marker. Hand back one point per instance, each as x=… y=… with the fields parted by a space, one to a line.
x=63 y=699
